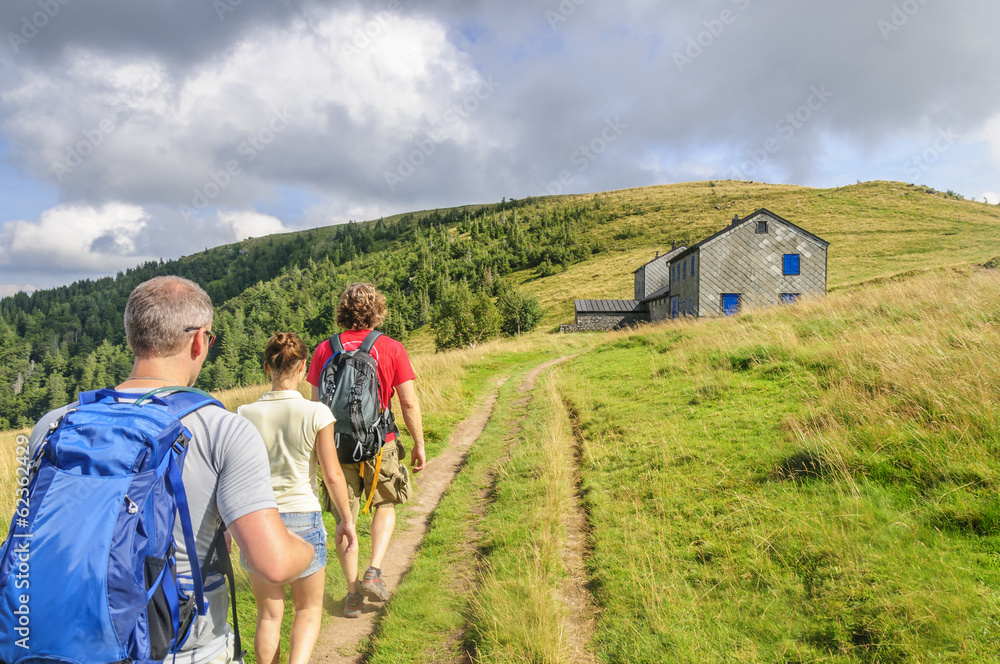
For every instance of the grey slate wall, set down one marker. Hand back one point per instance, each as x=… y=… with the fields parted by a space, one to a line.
x=685 y=288
x=652 y=276
x=659 y=309
x=750 y=263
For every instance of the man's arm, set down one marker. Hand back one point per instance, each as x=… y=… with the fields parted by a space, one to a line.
x=315 y=393
x=409 y=404
x=270 y=549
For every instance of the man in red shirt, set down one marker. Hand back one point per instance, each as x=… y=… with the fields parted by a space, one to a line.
x=361 y=309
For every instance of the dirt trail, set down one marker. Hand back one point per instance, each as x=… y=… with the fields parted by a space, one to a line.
x=581 y=610
x=339 y=638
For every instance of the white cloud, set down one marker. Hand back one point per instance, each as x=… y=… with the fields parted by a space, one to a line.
x=76 y=238
x=136 y=130
x=248 y=223
x=991 y=134
x=7 y=290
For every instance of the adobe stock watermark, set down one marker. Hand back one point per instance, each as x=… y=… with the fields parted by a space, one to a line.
x=21 y=541
x=249 y=149
x=920 y=163
x=900 y=16
x=697 y=44
x=31 y=25
x=223 y=7
x=587 y=154
x=786 y=128
x=562 y=12
x=372 y=29
x=95 y=136
x=451 y=119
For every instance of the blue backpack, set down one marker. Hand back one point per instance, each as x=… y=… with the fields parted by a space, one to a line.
x=88 y=570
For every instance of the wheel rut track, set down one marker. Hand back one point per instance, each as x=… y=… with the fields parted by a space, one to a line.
x=340 y=638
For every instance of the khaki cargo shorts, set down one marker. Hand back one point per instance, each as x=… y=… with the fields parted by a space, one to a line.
x=393 y=482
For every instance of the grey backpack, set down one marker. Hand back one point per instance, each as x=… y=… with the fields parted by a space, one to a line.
x=348 y=384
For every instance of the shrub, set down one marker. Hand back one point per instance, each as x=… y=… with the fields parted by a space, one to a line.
x=519 y=311
x=463 y=318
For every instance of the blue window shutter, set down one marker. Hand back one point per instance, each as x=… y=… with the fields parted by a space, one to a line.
x=789 y=298
x=730 y=303
x=791 y=264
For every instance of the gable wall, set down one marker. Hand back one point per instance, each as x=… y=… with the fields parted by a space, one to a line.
x=743 y=261
x=651 y=277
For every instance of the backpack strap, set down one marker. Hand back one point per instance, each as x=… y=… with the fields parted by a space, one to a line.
x=335 y=344
x=219 y=562
x=190 y=544
x=361 y=472
x=93 y=396
x=180 y=401
x=367 y=346
x=369 y=341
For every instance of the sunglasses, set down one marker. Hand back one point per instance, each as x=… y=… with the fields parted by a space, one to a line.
x=211 y=337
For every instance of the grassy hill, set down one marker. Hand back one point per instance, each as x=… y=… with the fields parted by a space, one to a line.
x=61 y=341
x=810 y=483
x=813 y=483
x=875 y=229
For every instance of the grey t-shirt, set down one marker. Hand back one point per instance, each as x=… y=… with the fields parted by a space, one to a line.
x=226 y=476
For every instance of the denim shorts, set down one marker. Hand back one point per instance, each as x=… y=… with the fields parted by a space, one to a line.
x=309 y=526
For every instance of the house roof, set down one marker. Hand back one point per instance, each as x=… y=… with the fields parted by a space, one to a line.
x=609 y=306
x=667 y=256
x=690 y=250
x=657 y=295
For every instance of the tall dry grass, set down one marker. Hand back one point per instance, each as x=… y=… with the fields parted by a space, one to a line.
x=516 y=613
x=804 y=482
x=899 y=360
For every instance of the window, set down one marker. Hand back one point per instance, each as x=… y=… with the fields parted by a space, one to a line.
x=691 y=306
x=762 y=227
x=684 y=270
x=730 y=303
x=789 y=298
x=791 y=263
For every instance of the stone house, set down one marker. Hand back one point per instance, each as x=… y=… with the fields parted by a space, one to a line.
x=652 y=281
x=759 y=260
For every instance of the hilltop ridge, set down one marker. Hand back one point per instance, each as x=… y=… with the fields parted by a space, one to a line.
x=59 y=341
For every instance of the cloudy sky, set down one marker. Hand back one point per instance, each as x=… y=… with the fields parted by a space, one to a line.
x=134 y=130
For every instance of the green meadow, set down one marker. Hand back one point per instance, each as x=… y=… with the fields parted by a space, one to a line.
x=815 y=483
x=810 y=483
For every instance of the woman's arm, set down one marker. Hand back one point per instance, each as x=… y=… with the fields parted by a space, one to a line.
x=336 y=485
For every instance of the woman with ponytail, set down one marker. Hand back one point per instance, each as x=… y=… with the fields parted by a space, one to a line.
x=298 y=433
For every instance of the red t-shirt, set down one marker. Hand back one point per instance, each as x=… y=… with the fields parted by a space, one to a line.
x=393 y=363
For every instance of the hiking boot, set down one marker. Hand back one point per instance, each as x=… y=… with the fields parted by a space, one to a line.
x=373 y=586
x=352 y=604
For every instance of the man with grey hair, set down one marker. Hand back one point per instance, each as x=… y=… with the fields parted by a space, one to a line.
x=168 y=324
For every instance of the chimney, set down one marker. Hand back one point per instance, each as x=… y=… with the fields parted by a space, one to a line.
x=736 y=219
x=657 y=254
x=675 y=245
